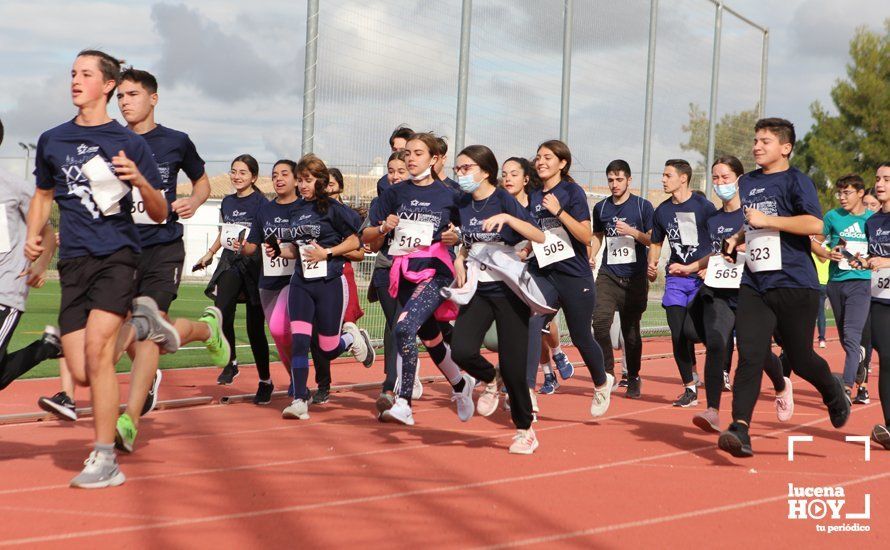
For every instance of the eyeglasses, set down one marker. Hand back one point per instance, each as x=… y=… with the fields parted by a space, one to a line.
x=463 y=168
x=845 y=194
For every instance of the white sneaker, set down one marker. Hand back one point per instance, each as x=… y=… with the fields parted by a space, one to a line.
x=488 y=400
x=464 y=399
x=100 y=470
x=535 y=409
x=400 y=413
x=601 y=397
x=727 y=384
x=524 y=442
x=361 y=344
x=785 y=403
x=299 y=409
x=417 y=390
x=822 y=344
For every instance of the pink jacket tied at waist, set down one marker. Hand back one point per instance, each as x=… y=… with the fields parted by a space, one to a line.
x=447 y=311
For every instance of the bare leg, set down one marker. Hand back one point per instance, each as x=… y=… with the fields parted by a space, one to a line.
x=100 y=339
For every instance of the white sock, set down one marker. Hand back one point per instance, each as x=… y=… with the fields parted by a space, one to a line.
x=547 y=368
x=267 y=381
x=348 y=339
x=555 y=351
x=449 y=368
x=691 y=387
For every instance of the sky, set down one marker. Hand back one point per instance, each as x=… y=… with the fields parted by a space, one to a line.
x=231 y=73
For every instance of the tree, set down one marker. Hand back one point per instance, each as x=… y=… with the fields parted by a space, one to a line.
x=856 y=139
x=733 y=135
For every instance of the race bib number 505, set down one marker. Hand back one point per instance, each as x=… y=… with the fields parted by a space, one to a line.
x=556 y=248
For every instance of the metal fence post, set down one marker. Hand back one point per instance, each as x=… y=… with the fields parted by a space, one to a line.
x=650 y=85
x=712 y=110
x=309 y=76
x=566 y=71
x=763 y=63
x=463 y=76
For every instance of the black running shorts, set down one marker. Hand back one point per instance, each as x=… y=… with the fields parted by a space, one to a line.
x=107 y=283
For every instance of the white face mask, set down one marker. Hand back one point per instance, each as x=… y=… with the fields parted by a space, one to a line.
x=726 y=191
x=423 y=175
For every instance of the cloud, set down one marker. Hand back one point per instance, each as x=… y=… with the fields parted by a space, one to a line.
x=823 y=28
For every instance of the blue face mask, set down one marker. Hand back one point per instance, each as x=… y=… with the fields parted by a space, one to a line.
x=726 y=191
x=467 y=184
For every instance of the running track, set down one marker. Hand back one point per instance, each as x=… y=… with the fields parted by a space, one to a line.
x=229 y=476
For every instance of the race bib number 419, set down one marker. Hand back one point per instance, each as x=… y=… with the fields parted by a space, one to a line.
x=621 y=250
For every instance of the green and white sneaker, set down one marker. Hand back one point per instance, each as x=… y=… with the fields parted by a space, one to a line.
x=125 y=437
x=100 y=470
x=217 y=345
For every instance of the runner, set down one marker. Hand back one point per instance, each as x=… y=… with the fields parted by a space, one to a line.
x=877 y=229
x=681 y=220
x=779 y=290
x=397 y=141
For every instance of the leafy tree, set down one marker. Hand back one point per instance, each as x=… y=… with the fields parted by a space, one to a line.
x=733 y=134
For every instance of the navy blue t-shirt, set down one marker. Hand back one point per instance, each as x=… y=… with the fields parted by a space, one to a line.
x=574 y=201
x=61 y=154
x=666 y=225
x=723 y=225
x=382 y=184
x=436 y=203
x=240 y=210
x=877 y=230
x=272 y=218
x=173 y=151
x=453 y=184
x=787 y=193
x=308 y=224
x=636 y=212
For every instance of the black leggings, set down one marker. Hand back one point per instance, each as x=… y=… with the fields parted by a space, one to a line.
x=791 y=314
x=511 y=317
x=17 y=363
x=228 y=287
x=391 y=310
x=880 y=320
x=683 y=338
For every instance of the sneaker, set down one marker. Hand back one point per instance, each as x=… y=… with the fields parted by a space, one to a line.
x=688 y=398
x=564 y=366
x=535 y=409
x=507 y=402
x=601 y=396
x=299 y=409
x=417 y=390
x=52 y=339
x=524 y=442
x=839 y=409
x=361 y=345
x=217 y=345
x=708 y=420
x=861 y=396
x=615 y=383
x=488 y=399
x=736 y=441
x=862 y=370
x=125 y=436
x=263 y=393
x=550 y=384
x=385 y=401
x=822 y=344
x=151 y=325
x=623 y=382
x=785 y=403
x=100 y=470
x=881 y=436
x=321 y=396
x=399 y=413
x=633 y=388
x=727 y=383
x=228 y=374
x=151 y=401
x=60 y=405
x=464 y=399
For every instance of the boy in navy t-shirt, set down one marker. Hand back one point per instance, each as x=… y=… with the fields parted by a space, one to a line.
x=624 y=222
x=780 y=289
x=99 y=243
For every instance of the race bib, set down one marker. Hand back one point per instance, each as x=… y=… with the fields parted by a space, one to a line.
x=409 y=235
x=621 y=250
x=687 y=228
x=138 y=212
x=556 y=248
x=723 y=274
x=230 y=233
x=880 y=284
x=5 y=246
x=853 y=248
x=763 y=250
x=279 y=267
x=313 y=270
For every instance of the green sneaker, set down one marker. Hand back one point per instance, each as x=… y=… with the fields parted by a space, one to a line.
x=126 y=434
x=217 y=345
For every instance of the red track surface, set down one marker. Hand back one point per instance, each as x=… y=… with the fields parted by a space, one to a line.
x=240 y=476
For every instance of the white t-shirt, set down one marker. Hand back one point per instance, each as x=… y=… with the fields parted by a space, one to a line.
x=14 y=200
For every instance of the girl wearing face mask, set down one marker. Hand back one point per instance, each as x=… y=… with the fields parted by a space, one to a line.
x=236 y=278
x=416 y=214
x=713 y=309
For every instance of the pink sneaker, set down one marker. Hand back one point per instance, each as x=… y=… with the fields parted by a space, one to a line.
x=488 y=400
x=785 y=403
x=524 y=442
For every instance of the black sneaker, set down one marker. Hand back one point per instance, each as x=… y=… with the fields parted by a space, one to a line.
x=633 y=388
x=688 y=398
x=736 y=441
x=152 y=400
x=229 y=374
x=881 y=436
x=263 y=393
x=623 y=382
x=321 y=396
x=839 y=407
x=862 y=396
x=52 y=339
x=60 y=405
x=861 y=371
